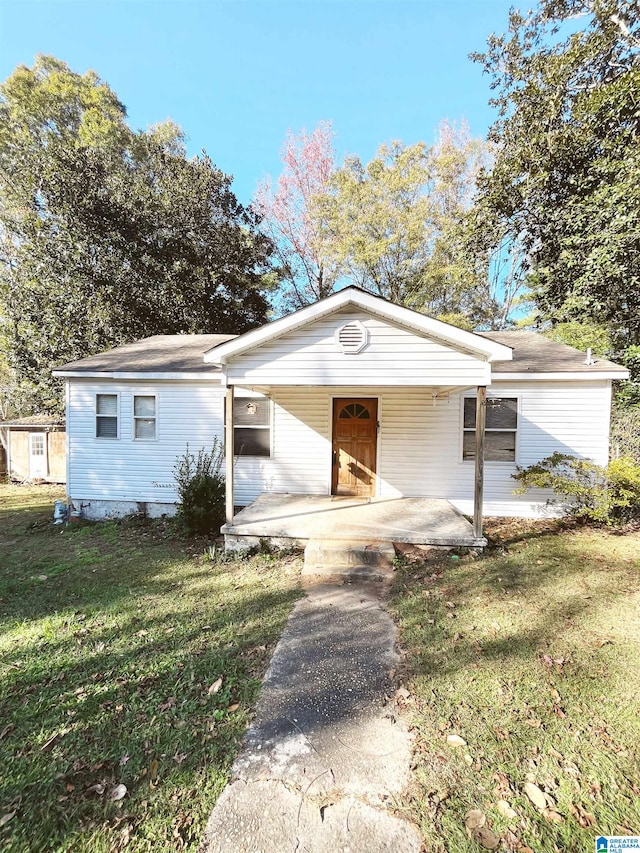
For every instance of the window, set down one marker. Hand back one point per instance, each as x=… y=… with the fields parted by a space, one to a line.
x=106 y=415
x=144 y=416
x=251 y=426
x=500 y=430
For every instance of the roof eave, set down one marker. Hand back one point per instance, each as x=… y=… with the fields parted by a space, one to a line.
x=451 y=335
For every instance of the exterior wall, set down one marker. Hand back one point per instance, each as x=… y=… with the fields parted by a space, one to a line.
x=55 y=448
x=113 y=476
x=310 y=356
x=19 y=459
x=57 y=445
x=419 y=443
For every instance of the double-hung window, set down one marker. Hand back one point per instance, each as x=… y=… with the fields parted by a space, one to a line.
x=501 y=429
x=144 y=416
x=251 y=426
x=106 y=416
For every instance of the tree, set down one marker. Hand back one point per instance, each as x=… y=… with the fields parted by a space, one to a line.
x=287 y=218
x=565 y=179
x=397 y=225
x=109 y=235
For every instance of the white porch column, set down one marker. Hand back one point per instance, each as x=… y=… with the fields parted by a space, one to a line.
x=228 y=453
x=481 y=417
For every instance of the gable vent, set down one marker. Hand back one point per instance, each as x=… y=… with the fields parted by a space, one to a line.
x=352 y=337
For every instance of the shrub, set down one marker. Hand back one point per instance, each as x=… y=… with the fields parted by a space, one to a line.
x=201 y=487
x=603 y=495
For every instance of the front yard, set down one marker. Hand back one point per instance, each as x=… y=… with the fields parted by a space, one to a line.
x=130 y=661
x=524 y=673
x=128 y=668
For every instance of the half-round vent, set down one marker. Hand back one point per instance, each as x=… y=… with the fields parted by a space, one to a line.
x=352 y=337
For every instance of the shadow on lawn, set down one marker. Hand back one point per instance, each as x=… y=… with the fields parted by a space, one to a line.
x=142 y=715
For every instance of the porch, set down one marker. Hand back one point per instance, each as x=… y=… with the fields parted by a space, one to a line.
x=287 y=519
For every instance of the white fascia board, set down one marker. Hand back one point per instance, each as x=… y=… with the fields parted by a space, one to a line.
x=84 y=374
x=575 y=376
x=443 y=332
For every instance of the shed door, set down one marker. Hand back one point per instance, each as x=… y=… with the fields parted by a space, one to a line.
x=355 y=429
x=37 y=455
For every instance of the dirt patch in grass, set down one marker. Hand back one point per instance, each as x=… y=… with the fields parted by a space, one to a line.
x=529 y=655
x=130 y=662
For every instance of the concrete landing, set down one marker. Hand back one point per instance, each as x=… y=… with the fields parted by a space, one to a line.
x=350 y=558
x=293 y=519
x=325 y=751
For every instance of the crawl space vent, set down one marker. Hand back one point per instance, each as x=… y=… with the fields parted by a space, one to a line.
x=352 y=337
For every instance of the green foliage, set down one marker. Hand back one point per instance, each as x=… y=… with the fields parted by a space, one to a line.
x=583 y=336
x=603 y=495
x=397 y=225
x=109 y=235
x=201 y=487
x=564 y=182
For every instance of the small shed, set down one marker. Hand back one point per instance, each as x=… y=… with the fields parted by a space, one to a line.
x=35 y=448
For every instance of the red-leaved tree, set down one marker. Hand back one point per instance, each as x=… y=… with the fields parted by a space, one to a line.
x=285 y=208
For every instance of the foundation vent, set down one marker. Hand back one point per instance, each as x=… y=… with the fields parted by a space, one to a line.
x=352 y=337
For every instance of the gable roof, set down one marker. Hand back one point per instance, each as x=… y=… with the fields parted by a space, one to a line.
x=485 y=348
x=534 y=353
x=176 y=355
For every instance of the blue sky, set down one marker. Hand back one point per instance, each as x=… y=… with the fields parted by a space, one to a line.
x=237 y=74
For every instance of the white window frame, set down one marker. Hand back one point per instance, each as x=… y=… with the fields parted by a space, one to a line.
x=493 y=395
x=135 y=417
x=268 y=426
x=115 y=394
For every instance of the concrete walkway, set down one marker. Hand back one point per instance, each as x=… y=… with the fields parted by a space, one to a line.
x=325 y=752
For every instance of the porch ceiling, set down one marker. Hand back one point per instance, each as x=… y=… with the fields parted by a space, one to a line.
x=420 y=521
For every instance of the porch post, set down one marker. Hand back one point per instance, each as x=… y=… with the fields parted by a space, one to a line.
x=228 y=453
x=481 y=417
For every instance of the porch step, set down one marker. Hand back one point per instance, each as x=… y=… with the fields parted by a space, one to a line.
x=354 y=558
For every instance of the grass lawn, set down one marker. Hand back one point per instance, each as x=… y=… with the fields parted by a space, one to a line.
x=129 y=664
x=531 y=656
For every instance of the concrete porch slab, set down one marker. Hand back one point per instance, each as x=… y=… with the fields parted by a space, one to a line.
x=294 y=519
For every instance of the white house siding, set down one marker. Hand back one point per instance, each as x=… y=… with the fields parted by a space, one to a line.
x=310 y=356
x=112 y=476
x=420 y=450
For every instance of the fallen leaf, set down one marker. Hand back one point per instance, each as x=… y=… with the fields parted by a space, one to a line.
x=118 y=793
x=6 y=818
x=123 y=760
x=486 y=837
x=456 y=740
x=583 y=817
x=233 y=707
x=217 y=684
x=170 y=703
x=506 y=811
x=474 y=819
x=552 y=815
x=402 y=693
x=96 y=789
x=536 y=796
x=52 y=740
x=5 y=731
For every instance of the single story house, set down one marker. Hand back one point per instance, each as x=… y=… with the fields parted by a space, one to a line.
x=352 y=396
x=35 y=448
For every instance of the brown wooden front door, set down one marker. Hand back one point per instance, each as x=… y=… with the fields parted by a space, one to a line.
x=355 y=429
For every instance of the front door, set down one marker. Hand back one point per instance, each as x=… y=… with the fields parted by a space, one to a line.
x=37 y=455
x=355 y=429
